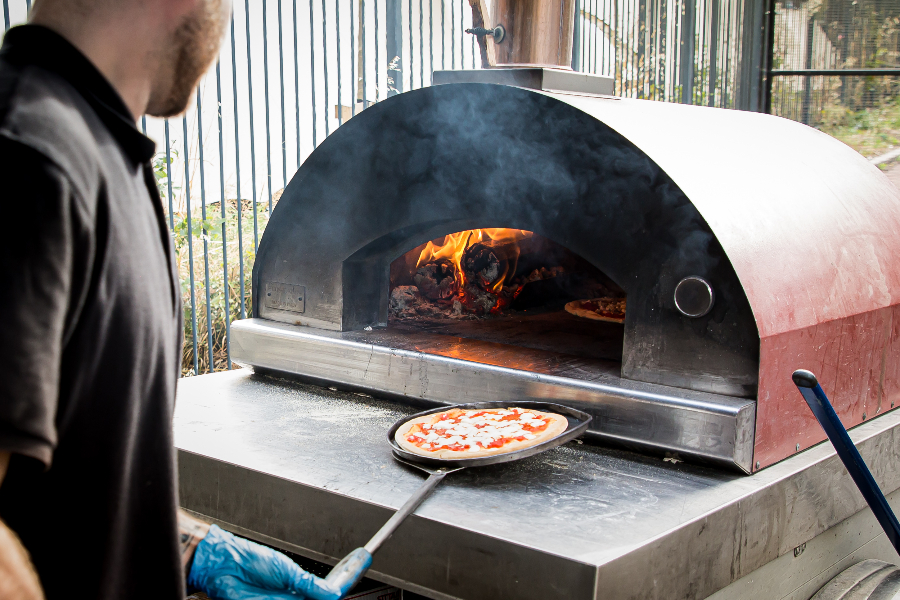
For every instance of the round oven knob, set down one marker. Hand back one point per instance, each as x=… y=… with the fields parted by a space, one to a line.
x=694 y=297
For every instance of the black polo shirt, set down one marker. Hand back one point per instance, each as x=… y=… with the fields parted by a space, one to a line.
x=90 y=331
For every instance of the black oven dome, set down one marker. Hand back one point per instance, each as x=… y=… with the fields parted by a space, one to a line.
x=454 y=157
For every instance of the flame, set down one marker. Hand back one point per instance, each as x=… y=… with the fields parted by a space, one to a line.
x=451 y=247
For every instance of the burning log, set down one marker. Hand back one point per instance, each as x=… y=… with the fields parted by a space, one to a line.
x=486 y=263
x=437 y=280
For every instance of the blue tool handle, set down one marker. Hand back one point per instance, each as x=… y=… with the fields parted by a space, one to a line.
x=821 y=408
x=350 y=570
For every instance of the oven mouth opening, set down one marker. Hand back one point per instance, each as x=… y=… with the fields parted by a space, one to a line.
x=511 y=287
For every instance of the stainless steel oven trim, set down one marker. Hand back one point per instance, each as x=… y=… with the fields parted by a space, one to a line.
x=717 y=429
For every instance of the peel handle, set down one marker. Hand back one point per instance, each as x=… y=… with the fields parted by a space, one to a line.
x=352 y=567
x=821 y=408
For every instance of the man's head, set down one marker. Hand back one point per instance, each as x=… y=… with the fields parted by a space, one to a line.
x=152 y=51
x=191 y=49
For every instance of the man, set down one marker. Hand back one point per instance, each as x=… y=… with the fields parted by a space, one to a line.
x=90 y=342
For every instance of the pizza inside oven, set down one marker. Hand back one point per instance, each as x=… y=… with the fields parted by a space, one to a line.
x=471 y=433
x=599 y=309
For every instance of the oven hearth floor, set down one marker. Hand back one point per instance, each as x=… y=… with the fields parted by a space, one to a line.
x=555 y=331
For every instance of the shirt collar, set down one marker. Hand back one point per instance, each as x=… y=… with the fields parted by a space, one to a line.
x=41 y=47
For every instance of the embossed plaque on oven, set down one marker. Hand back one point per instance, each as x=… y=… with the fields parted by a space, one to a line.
x=284 y=296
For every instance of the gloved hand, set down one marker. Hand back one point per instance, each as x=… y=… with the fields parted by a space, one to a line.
x=232 y=568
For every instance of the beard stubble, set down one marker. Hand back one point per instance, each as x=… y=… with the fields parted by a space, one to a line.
x=192 y=49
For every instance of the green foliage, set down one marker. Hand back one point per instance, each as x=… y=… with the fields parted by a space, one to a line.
x=869 y=131
x=225 y=244
x=221 y=249
x=161 y=173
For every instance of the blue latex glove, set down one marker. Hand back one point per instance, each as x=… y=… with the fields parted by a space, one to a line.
x=232 y=568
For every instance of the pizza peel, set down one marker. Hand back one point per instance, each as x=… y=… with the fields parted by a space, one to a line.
x=353 y=566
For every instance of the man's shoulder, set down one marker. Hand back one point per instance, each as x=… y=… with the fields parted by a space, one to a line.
x=44 y=113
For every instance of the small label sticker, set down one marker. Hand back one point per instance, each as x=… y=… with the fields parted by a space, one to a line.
x=284 y=296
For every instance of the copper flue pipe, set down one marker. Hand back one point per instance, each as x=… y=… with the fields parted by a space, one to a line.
x=536 y=32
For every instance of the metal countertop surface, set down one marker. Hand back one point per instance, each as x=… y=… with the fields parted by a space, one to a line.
x=595 y=516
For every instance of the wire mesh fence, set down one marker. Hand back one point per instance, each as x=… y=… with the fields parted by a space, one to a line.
x=836 y=66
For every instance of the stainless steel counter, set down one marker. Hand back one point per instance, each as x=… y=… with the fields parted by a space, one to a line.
x=309 y=470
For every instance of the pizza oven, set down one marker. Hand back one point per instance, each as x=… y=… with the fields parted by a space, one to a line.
x=437 y=247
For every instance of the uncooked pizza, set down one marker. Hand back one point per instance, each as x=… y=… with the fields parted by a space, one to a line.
x=599 y=309
x=471 y=433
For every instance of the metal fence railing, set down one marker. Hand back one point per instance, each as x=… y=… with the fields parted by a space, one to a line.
x=291 y=72
x=689 y=51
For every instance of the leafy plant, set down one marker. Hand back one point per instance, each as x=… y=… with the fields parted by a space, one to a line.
x=219 y=254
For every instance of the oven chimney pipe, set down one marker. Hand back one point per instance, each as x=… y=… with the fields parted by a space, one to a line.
x=524 y=32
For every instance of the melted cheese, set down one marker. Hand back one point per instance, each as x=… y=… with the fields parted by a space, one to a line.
x=474 y=432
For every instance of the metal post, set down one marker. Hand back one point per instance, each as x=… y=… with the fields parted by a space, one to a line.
x=325 y=66
x=203 y=234
x=642 y=54
x=431 y=39
x=592 y=36
x=727 y=62
x=409 y=63
x=628 y=59
x=810 y=30
x=687 y=51
x=653 y=49
x=237 y=170
x=576 y=44
x=190 y=244
x=660 y=50
x=608 y=29
x=713 y=51
x=750 y=90
x=770 y=52
x=312 y=71
x=422 y=45
x=281 y=89
x=362 y=51
x=377 y=75
x=617 y=52
x=252 y=135
x=296 y=82
x=452 y=34
x=337 y=42
x=352 y=62
x=462 y=36
x=266 y=96
x=393 y=13
x=169 y=180
x=226 y=291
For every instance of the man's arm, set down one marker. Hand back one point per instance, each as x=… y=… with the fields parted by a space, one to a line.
x=18 y=579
